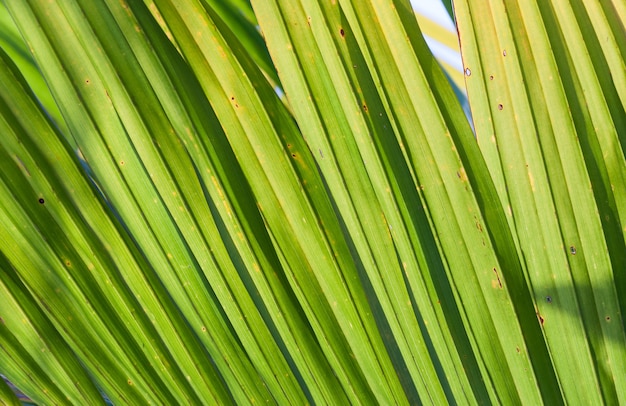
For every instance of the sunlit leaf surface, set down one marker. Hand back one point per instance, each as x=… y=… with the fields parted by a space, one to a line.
x=282 y=201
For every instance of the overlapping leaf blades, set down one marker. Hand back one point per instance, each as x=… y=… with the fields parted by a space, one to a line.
x=558 y=143
x=348 y=244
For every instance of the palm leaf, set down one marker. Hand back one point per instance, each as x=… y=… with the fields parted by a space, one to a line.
x=187 y=236
x=537 y=116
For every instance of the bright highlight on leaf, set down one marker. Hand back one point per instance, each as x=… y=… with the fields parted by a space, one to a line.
x=180 y=234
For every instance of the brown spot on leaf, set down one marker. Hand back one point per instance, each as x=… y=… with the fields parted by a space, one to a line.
x=499 y=282
x=461 y=174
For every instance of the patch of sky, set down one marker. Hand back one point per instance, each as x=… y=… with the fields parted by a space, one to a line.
x=448 y=55
x=435 y=11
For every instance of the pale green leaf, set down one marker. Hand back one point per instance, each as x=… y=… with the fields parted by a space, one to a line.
x=188 y=235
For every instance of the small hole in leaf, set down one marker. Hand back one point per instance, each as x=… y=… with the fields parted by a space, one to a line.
x=500 y=106
x=549 y=299
x=365 y=107
x=468 y=72
x=607 y=318
x=342 y=33
x=504 y=52
x=490 y=77
x=572 y=250
x=41 y=201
